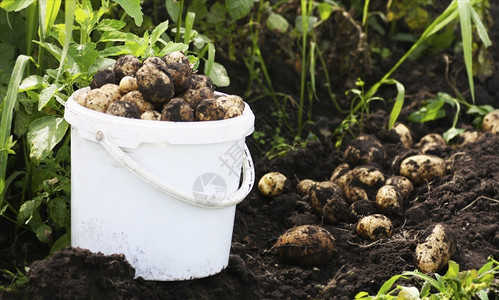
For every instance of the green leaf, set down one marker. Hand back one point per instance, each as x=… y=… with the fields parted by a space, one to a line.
x=48 y=13
x=26 y=210
x=61 y=243
x=110 y=25
x=399 y=102
x=465 y=8
x=218 y=75
x=32 y=82
x=158 y=31
x=325 y=10
x=43 y=233
x=173 y=8
x=46 y=95
x=388 y=284
x=452 y=133
x=189 y=23
x=58 y=211
x=453 y=269
x=277 y=23
x=310 y=26
x=85 y=55
x=133 y=9
x=15 y=5
x=70 y=65
x=117 y=36
x=101 y=63
x=44 y=134
x=482 y=31
x=238 y=9
x=171 y=47
x=115 y=51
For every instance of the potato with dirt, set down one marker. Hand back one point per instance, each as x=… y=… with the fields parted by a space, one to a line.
x=403 y=184
x=181 y=76
x=360 y=209
x=102 y=77
x=194 y=96
x=303 y=187
x=422 y=168
x=436 y=251
x=374 y=227
x=490 y=122
x=272 y=184
x=177 y=110
x=342 y=175
x=97 y=100
x=113 y=90
x=152 y=114
x=305 y=245
x=123 y=109
x=176 y=57
x=128 y=84
x=328 y=201
x=137 y=98
x=431 y=143
x=202 y=81
x=233 y=105
x=126 y=65
x=364 y=150
x=404 y=134
x=155 y=85
x=209 y=110
x=389 y=199
x=364 y=182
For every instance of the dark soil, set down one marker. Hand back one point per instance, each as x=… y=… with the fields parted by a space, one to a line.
x=464 y=200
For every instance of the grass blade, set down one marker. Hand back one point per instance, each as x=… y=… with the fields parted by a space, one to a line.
x=69 y=17
x=189 y=23
x=399 y=102
x=7 y=114
x=465 y=21
x=482 y=31
x=365 y=12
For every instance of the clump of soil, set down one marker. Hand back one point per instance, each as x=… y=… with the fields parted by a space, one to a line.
x=461 y=199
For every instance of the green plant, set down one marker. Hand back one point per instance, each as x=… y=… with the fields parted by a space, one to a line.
x=455 y=284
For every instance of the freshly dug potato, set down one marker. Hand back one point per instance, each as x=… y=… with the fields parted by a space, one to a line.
x=368 y=176
x=158 y=63
x=342 y=175
x=363 y=150
x=102 y=77
x=202 y=81
x=128 y=84
x=155 y=85
x=404 y=133
x=181 y=75
x=467 y=137
x=436 y=251
x=305 y=245
x=97 y=100
x=304 y=186
x=432 y=142
x=355 y=193
x=113 y=90
x=80 y=98
x=389 y=199
x=374 y=227
x=151 y=115
x=137 y=98
x=490 y=122
x=194 y=96
x=126 y=65
x=176 y=57
x=231 y=105
x=327 y=200
x=209 y=110
x=177 y=110
x=404 y=185
x=361 y=208
x=421 y=168
x=272 y=184
x=123 y=109
x=363 y=183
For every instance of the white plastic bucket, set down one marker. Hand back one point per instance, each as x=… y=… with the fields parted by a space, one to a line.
x=161 y=193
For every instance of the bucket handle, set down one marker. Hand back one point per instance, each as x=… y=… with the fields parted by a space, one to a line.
x=230 y=200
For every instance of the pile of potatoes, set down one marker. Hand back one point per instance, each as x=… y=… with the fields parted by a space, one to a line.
x=158 y=88
x=359 y=192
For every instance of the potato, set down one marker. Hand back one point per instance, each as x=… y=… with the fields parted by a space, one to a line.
x=97 y=100
x=303 y=187
x=102 y=77
x=404 y=133
x=467 y=137
x=368 y=176
x=151 y=115
x=374 y=227
x=180 y=74
x=155 y=85
x=80 y=98
x=202 y=81
x=404 y=185
x=361 y=208
x=342 y=175
x=355 y=193
x=137 y=98
x=305 y=245
x=272 y=184
x=490 y=122
x=176 y=57
x=194 y=96
x=432 y=142
x=363 y=150
x=389 y=199
x=128 y=84
x=421 y=168
x=232 y=105
x=327 y=201
x=177 y=110
x=123 y=109
x=158 y=63
x=363 y=181
x=436 y=251
x=113 y=90
x=209 y=110
x=126 y=65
